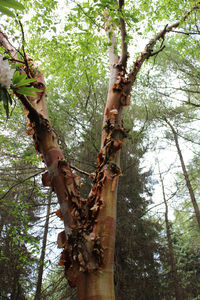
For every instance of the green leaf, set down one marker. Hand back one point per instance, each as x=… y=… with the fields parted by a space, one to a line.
x=135 y=20
x=21 y=78
x=5 y=99
x=12 y=4
x=16 y=77
x=6 y=11
x=34 y=89
x=28 y=91
x=26 y=82
x=9 y=98
x=53 y=28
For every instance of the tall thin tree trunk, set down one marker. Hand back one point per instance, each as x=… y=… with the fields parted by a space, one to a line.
x=44 y=243
x=170 y=245
x=185 y=173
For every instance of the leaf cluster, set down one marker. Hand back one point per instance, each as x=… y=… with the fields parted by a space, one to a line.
x=6 y=7
x=6 y=98
x=21 y=84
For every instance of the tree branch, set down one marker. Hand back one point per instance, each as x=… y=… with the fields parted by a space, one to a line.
x=158 y=51
x=90 y=175
x=33 y=104
x=4 y=42
x=113 y=55
x=16 y=184
x=33 y=114
x=186 y=33
x=23 y=48
x=149 y=47
x=124 y=46
x=190 y=103
x=92 y=19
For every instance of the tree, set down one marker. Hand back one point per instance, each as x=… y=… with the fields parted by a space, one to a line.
x=186 y=244
x=44 y=243
x=89 y=236
x=172 y=263
x=185 y=173
x=18 y=245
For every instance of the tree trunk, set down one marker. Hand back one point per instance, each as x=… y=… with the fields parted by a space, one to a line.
x=170 y=245
x=99 y=285
x=187 y=180
x=42 y=257
x=89 y=236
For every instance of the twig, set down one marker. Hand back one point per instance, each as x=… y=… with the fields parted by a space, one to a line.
x=149 y=47
x=90 y=90
x=196 y=21
x=155 y=53
x=190 y=103
x=15 y=103
x=16 y=60
x=82 y=172
x=14 y=185
x=186 y=33
x=89 y=17
x=4 y=42
x=23 y=48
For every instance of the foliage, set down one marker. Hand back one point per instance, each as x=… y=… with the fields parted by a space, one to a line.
x=13 y=4
x=55 y=286
x=20 y=84
x=19 y=196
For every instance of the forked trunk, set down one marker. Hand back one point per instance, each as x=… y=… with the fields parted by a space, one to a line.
x=89 y=236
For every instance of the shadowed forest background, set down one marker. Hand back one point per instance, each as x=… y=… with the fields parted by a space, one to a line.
x=157 y=253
